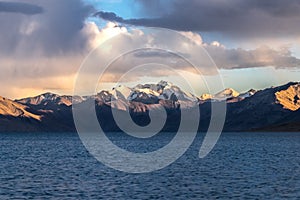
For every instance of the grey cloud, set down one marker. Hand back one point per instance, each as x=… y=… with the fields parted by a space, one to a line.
x=56 y=31
x=253 y=18
x=260 y=57
x=23 y=8
x=109 y=16
x=239 y=58
x=150 y=53
x=46 y=49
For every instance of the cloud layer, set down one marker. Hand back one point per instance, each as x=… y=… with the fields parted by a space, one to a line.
x=238 y=18
x=43 y=43
x=263 y=56
x=175 y=50
x=23 y=8
x=55 y=31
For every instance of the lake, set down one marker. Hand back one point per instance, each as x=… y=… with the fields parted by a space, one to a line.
x=242 y=165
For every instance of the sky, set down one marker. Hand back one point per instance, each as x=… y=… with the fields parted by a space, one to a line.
x=254 y=44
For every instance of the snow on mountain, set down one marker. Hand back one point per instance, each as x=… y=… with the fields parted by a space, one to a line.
x=151 y=93
x=276 y=108
x=148 y=91
x=166 y=90
x=205 y=97
x=104 y=96
x=39 y=99
x=143 y=97
x=144 y=93
x=171 y=89
x=220 y=96
x=226 y=94
x=121 y=92
x=74 y=99
x=50 y=97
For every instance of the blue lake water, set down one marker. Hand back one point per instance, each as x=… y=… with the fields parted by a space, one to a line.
x=242 y=165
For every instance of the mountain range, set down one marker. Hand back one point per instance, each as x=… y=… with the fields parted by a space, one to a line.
x=271 y=109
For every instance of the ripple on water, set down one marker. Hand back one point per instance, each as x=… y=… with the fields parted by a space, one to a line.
x=253 y=165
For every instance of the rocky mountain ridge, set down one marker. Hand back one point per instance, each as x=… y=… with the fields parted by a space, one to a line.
x=253 y=110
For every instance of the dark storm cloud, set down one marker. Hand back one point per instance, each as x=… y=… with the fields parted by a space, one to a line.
x=237 y=17
x=109 y=16
x=17 y=7
x=53 y=32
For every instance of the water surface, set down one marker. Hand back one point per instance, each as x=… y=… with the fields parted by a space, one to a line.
x=242 y=165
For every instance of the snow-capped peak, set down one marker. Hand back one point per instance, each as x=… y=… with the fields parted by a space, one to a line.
x=121 y=92
x=149 y=93
x=220 y=96
x=205 y=97
x=165 y=90
x=39 y=99
x=51 y=98
x=227 y=93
